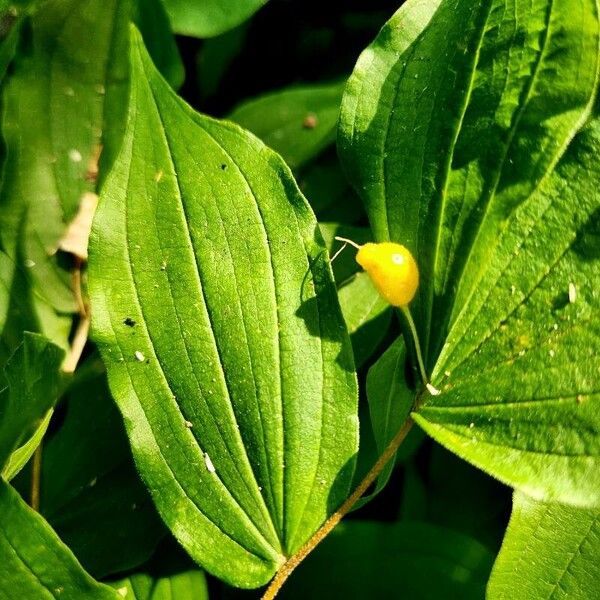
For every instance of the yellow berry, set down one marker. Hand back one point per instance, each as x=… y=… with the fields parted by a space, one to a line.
x=392 y=269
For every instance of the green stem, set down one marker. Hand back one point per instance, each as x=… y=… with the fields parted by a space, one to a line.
x=413 y=330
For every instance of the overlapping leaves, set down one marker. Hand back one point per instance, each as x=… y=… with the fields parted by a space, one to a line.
x=455 y=127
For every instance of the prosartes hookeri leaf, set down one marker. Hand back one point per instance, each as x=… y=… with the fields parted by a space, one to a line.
x=470 y=132
x=215 y=311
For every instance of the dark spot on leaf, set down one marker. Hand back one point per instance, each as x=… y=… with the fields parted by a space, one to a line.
x=129 y=322
x=560 y=301
x=223 y=167
x=587 y=244
x=310 y=121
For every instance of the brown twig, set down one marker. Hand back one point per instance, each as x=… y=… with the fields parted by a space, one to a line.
x=286 y=569
x=69 y=365
x=36 y=475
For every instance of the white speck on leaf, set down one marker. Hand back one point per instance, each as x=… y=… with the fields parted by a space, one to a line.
x=572 y=293
x=75 y=155
x=122 y=592
x=139 y=356
x=189 y=424
x=432 y=390
x=29 y=263
x=209 y=465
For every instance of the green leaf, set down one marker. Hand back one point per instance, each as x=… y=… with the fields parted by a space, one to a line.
x=390 y=400
x=550 y=551
x=91 y=493
x=185 y=585
x=35 y=563
x=61 y=76
x=7 y=267
x=471 y=170
x=450 y=121
x=297 y=122
x=26 y=311
x=402 y=560
x=521 y=400
x=209 y=17
x=236 y=380
x=21 y=455
x=32 y=384
x=152 y=21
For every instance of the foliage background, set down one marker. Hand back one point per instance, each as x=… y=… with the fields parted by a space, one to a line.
x=437 y=528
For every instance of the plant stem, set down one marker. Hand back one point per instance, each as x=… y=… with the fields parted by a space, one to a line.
x=77 y=345
x=69 y=365
x=413 y=330
x=286 y=569
x=36 y=473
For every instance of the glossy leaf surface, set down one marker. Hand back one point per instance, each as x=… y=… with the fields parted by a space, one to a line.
x=31 y=384
x=236 y=379
x=35 y=563
x=209 y=17
x=464 y=129
x=52 y=124
x=550 y=551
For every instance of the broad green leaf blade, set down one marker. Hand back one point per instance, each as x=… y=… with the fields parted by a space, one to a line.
x=390 y=400
x=35 y=563
x=27 y=311
x=209 y=17
x=519 y=371
x=91 y=493
x=216 y=313
x=53 y=110
x=550 y=551
x=31 y=386
x=362 y=559
x=7 y=267
x=297 y=122
x=20 y=457
x=152 y=21
x=450 y=121
x=185 y=585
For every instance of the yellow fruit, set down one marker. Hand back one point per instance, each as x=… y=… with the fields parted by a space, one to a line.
x=392 y=269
